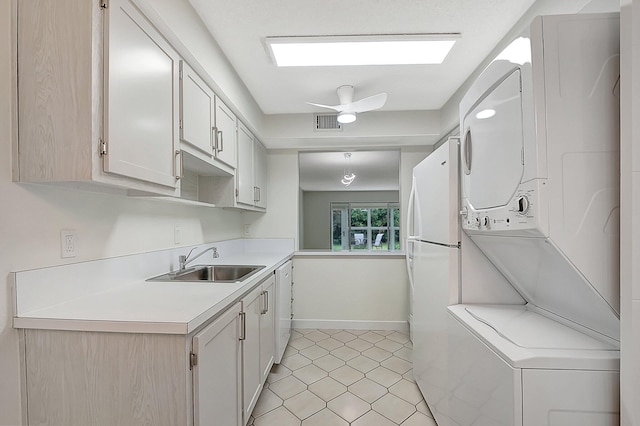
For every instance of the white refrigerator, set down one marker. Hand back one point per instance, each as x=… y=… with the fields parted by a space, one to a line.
x=433 y=259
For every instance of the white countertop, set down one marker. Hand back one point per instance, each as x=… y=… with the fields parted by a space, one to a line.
x=139 y=306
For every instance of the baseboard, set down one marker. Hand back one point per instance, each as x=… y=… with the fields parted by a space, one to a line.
x=402 y=326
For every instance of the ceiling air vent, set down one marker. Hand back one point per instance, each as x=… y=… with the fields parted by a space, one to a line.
x=326 y=122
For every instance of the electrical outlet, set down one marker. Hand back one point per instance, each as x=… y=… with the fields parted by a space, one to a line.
x=176 y=235
x=247 y=230
x=68 y=243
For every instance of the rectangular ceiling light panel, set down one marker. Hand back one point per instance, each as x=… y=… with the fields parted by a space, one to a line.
x=360 y=50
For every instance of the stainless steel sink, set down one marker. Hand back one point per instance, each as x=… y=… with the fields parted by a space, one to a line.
x=212 y=273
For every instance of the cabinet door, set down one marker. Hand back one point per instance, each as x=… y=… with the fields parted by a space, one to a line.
x=226 y=135
x=260 y=178
x=282 y=309
x=267 y=327
x=244 y=171
x=251 y=306
x=141 y=114
x=217 y=385
x=196 y=110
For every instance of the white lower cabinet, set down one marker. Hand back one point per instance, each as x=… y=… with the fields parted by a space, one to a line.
x=267 y=328
x=211 y=377
x=258 y=344
x=217 y=372
x=252 y=376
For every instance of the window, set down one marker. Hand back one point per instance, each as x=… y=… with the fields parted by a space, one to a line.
x=365 y=226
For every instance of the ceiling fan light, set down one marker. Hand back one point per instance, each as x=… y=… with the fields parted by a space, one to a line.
x=346 y=117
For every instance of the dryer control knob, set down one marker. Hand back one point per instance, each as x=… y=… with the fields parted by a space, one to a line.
x=486 y=221
x=477 y=222
x=522 y=205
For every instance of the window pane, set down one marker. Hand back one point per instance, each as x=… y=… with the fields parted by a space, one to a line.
x=379 y=217
x=336 y=232
x=358 y=239
x=397 y=239
x=358 y=218
x=380 y=239
x=396 y=218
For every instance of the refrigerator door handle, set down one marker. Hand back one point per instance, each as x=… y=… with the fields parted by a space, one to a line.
x=409 y=222
x=409 y=238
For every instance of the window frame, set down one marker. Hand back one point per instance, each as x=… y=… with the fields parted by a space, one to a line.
x=347 y=229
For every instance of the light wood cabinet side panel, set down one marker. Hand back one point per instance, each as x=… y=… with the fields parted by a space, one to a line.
x=55 y=89
x=86 y=378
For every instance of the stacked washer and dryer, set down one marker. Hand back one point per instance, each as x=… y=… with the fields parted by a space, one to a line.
x=540 y=196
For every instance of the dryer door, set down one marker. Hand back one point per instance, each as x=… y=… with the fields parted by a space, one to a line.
x=492 y=146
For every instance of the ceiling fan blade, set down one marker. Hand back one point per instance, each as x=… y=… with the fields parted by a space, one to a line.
x=367 y=104
x=336 y=108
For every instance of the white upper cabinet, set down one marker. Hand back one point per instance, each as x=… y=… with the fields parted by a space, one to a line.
x=251 y=173
x=260 y=174
x=244 y=174
x=140 y=108
x=196 y=111
x=97 y=92
x=225 y=134
x=206 y=123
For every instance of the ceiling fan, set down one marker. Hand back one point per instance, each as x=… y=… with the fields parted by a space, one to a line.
x=348 y=109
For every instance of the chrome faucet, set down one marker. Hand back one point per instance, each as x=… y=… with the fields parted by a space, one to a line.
x=184 y=260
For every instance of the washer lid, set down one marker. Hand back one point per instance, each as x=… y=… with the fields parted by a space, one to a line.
x=546 y=278
x=531 y=330
x=492 y=146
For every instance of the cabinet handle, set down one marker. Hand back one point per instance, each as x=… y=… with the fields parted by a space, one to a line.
x=259 y=194
x=243 y=326
x=214 y=129
x=221 y=141
x=180 y=165
x=264 y=302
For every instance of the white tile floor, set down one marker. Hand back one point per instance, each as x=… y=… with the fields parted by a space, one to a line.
x=343 y=377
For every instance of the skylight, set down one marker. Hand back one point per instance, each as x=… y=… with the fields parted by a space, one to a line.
x=414 y=49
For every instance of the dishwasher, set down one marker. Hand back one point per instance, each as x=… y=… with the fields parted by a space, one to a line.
x=284 y=312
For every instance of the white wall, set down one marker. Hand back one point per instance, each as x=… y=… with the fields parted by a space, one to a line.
x=353 y=290
x=374 y=128
x=630 y=213
x=31 y=218
x=316 y=212
x=281 y=218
